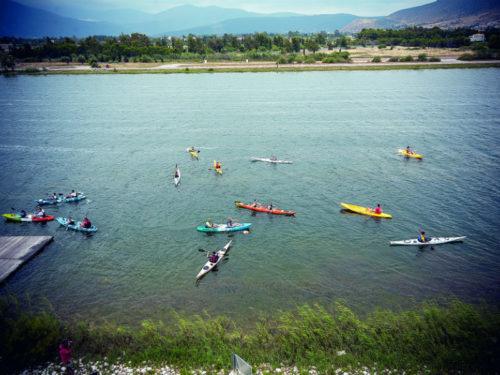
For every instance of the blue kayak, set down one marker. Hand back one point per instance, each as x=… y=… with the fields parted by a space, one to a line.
x=225 y=228
x=64 y=221
x=60 y=200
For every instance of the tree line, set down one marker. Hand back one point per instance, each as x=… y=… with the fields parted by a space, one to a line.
x=290 y=47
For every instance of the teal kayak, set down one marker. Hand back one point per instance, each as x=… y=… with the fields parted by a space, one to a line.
x=64 y=221
x=60 y=200
x=225 y=228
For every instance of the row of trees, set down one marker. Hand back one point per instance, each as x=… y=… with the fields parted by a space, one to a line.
x=139 y=47
x=422 y=37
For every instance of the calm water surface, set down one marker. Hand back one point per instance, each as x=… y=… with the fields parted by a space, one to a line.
x=118 y=138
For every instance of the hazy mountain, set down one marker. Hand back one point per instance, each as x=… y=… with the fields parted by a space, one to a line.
x=326 y=22
x=22 y=21
x=441 y=13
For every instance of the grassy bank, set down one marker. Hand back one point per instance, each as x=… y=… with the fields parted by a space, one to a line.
x=271 y=68
x=446 y=337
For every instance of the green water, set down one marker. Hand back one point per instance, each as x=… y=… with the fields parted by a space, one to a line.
x=118 y=138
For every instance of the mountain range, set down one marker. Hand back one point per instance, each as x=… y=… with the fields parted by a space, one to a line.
x=22 y=21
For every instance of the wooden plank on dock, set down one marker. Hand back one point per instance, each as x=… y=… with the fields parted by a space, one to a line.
x=17 y=250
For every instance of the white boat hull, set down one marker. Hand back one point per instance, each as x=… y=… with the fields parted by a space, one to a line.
x=272 y=161
x=209 y=266
x=432 y=241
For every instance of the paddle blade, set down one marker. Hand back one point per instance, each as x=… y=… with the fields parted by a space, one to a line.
x=202 y=250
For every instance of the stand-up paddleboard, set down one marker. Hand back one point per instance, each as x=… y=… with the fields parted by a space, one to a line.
x=209 y=266
x=411 y=155
x=364 y=211
x=268 y=160
x=432 y=241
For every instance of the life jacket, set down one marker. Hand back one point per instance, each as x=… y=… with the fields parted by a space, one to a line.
x=87 y=224
x=422 y=238
x=213 y=258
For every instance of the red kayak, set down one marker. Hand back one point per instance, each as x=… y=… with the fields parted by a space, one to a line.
x=265 y=209
x=16 y=217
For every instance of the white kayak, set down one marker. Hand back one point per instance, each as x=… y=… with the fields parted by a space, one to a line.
x=210 y=265
x=271 y=160
x=432 y=241
x=178 y=178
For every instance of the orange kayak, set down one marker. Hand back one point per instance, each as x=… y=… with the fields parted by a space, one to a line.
x=264 y=209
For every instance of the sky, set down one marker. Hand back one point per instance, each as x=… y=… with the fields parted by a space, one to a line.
x=369 y=8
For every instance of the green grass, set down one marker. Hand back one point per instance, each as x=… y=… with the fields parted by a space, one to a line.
x=295 y=68
x=445 y=336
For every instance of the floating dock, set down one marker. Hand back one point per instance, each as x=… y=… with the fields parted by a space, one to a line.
x=17 y=250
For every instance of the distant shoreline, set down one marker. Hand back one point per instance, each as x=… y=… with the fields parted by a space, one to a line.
x=240 y=67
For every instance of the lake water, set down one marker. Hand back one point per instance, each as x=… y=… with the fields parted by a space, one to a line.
x=118 y=138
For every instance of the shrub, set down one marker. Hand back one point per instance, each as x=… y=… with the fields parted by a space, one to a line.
x=282 y=60
x=422 y=57
x=376 y=59
x=310 y=59
x=393 y=59
x=31 y=70
x=466 y=57
x=381 y=46
x=406 y=58
x=434 y=59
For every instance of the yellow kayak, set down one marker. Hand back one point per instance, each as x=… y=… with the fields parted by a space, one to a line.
x=364 y=210
x=412 y=155
x=218 y=170
x=192 y=152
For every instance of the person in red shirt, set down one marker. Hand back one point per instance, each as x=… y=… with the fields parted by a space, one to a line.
x=66 y=354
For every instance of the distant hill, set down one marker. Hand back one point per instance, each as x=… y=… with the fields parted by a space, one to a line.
x=22 y=21
x=441 y=13
x=310 y=24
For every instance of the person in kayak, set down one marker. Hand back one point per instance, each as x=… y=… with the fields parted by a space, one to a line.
x=40 y=213
x=86 y=223
x=218 y=165
x=53 y=196
x=270 y=206
x=209 y=223
x=71 y=221
x=229 y=222
x=214 y=258
x=377 y=210
x=422 y=237
x=408 y=150
x=255 y=203
x=73 y=194
x=176 y=173
x=274 y=158
x=22 y=213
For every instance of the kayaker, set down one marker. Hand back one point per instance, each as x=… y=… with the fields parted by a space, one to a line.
x=54 y=196
x=422 y=237
x=214 y=258
x=176 y=173
x=217 y=165
x=229 y=222
x=192 y=148
x=71 y=221
x=22 y=213
x=209 y=223
x=408 y=150
x=378 y=210
x=273 y=158
x=255 y=203
x=86 y=223
x=270 y=206
x=40 y=213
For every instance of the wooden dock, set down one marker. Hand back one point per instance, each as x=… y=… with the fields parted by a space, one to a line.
x=17 y=250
